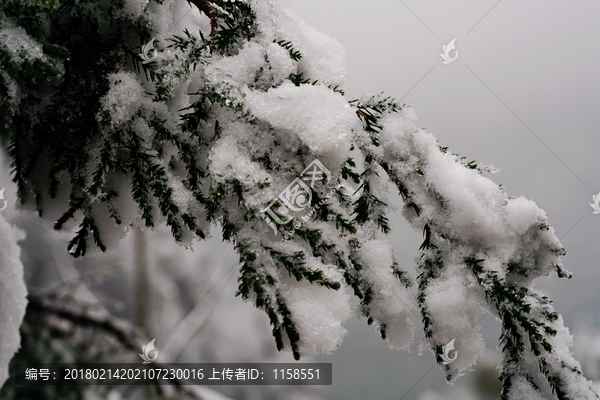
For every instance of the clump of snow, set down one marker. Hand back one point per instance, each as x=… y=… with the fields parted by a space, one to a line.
x=521 y=214
x=454 y=310
x=562 y=360
x=131 y=8
x=318 y=312
x=323 y=58
x=227 y=161
x=13 y=294
x=173 y=16
x=123 y=99
x=281 y=63
x=241 y=68
x=391 y=305
x=127 y=103
x=163 y=16
x=256 y=65
x=521 y=389
x=322 y=119
x=472 y=204
x=12 y=90
x=19 y=45
x=462 y=203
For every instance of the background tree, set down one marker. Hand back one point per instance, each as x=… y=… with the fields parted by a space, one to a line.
x=220 y=123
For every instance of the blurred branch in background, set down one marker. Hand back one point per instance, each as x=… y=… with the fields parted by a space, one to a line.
x=84 y=311
x=92 y=335
x=143 y=316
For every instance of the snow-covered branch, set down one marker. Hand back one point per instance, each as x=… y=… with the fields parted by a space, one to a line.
x=482 y=250
x=237 y=120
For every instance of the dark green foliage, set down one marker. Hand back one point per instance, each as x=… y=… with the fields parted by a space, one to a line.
x=371 y=110
x=286 y=44
x=347 y=172
x=298 y=79
x=288 y=326
x=522 y=331
x=253 y=283
x=403 y=276
x=368 y=206
x=235 y=28
x=295 y=265
x=430 y=263
x=29 y=9
x=31 y=15
x=514 y=309
x=66 y=129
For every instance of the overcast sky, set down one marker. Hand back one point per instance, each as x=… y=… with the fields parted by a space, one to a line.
x=522 y=95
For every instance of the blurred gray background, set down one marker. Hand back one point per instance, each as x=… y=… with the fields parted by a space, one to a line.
x=523 y=95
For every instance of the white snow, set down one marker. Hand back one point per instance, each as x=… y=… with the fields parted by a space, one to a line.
x=13 y=92
x=256 y=65
x=391 y=302
x=577 y=385
x=19 y=45
x=281 y=63
x=173 y=16
x=318 y=312
x=323 y=58
x=13 y=294
x=132 y=9
x=124 y=97
x=454 y=310
x=228 y=161
x=521 y=214
x=238 y=69
x=321 y=118
x=522 y=390
x=464 y=205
